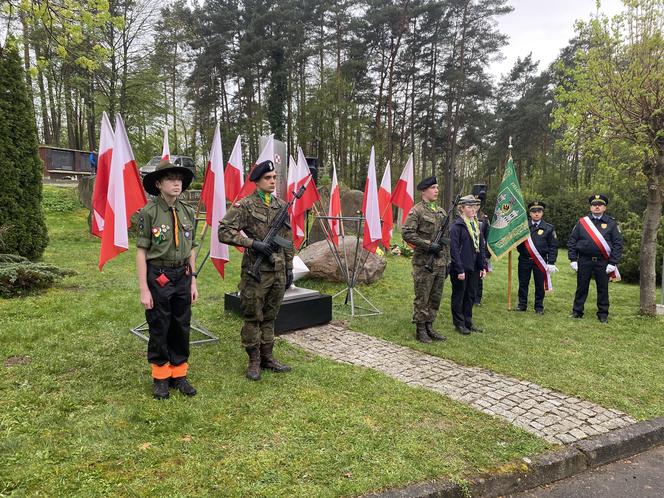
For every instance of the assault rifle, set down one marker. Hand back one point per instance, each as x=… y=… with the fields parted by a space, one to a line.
x=272 y=238
x=441 y=233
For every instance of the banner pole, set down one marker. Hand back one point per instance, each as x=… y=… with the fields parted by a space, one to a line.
x=509 y=281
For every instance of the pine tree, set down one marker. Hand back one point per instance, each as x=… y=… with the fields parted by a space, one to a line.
x=20 y=167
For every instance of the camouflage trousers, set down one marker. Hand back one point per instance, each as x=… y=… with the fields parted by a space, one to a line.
x=260 y=303
x=428 y=292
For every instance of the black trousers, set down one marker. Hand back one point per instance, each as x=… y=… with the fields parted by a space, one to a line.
x=480 y=291
x=170 y=316
x=463 y=297
x=589 y=268
x=526 y=268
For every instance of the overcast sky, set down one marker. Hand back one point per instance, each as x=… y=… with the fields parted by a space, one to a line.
x=544 y=27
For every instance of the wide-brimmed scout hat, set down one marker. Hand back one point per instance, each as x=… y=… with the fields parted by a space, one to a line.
x=163 y=168
x=469 y=200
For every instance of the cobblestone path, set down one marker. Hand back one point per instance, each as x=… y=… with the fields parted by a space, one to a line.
x=554 y=416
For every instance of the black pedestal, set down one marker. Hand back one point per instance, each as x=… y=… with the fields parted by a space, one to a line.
x=301 y=308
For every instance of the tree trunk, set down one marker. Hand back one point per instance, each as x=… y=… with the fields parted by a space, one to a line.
x=648 y=253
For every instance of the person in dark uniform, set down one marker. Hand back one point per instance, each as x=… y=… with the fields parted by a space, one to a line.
x=479 y=191
x=468 y=265
x=420 y=228
x=165 y=263
x=543 y=236
x=595 y=248
x=246 y=224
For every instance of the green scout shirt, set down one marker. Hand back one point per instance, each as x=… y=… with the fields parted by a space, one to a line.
x=420 y=228
x=251 y=216
x=155 y=230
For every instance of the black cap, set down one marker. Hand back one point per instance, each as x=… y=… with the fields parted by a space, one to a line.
x=532 y=206
x=163 y=168
x=598 y=199
x=426 y=183
x=479 y=191
x=260 y=170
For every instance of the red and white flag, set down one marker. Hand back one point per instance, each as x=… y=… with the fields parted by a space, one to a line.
x=234 y=173
x=334 y=209
x=404 y=191
x=100 y=191
x=372 y=233
x=385 y=206
x=213 y=196
x=301 y=176
x=267 y=154
x=125 y=196
x=166 y=150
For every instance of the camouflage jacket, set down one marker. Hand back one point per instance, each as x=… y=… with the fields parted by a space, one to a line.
x=249 y=220
x=420 y=228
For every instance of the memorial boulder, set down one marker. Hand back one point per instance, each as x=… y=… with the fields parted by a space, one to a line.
x=322 y=264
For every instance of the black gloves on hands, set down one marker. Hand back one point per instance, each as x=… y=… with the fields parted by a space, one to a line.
x=435 y=248
x=262 y=247
x=289 y=278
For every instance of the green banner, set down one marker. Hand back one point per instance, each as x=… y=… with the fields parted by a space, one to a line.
x=510 y=218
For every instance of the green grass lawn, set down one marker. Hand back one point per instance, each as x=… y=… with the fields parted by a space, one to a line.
x=619 y=365
x=77 y=417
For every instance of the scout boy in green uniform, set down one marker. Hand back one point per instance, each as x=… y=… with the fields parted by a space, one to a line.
x=246 y=224
x=165 y=264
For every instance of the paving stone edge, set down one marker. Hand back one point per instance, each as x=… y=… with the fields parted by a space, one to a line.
x=546 y=468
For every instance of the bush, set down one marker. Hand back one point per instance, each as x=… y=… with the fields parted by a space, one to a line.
x=632 y=230
x=20 y=166
x=19 y=276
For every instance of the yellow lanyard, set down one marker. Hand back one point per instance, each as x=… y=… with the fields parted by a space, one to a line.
x=175 y=227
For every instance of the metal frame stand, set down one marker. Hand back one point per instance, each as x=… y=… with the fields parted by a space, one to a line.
x=350 y=271
x=210 y=338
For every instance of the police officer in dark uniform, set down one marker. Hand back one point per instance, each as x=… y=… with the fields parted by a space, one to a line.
x=544 y=238
x=588 y=258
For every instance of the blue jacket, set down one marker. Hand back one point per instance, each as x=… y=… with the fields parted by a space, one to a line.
x=463 y=255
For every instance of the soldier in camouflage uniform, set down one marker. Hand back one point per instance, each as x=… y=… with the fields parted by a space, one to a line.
x=420 y=228
x=165 y=265
x=246 y=224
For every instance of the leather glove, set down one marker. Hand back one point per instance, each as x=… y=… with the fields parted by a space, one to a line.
x=610 y=269
x=574 y=265
x=289 y=278
x=435 y=248
x=262 y=247
x=551 y=268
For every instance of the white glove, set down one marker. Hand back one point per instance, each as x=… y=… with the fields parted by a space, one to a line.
x=551 y=268
x=610 y=269
x=574 y=265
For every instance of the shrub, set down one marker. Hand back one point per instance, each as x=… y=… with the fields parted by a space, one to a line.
x=19 y=276
x=20 y=166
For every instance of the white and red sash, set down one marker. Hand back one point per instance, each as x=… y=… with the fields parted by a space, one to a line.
x=601 y=243
x=539 y=262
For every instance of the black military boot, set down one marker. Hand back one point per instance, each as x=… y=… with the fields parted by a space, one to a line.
x=433 y=333
x=160 y=389
x=254 y=367
x=183 y=385
x=267 y=361
x=421 y=333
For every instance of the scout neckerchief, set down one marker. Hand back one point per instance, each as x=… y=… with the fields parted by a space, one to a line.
x=601 y=243
x=432 y=206
x=539 y=262
x=265 y=196
x=474 y=231
x=176 y=236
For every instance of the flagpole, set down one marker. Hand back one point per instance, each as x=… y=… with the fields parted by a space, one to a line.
x=509 y=255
